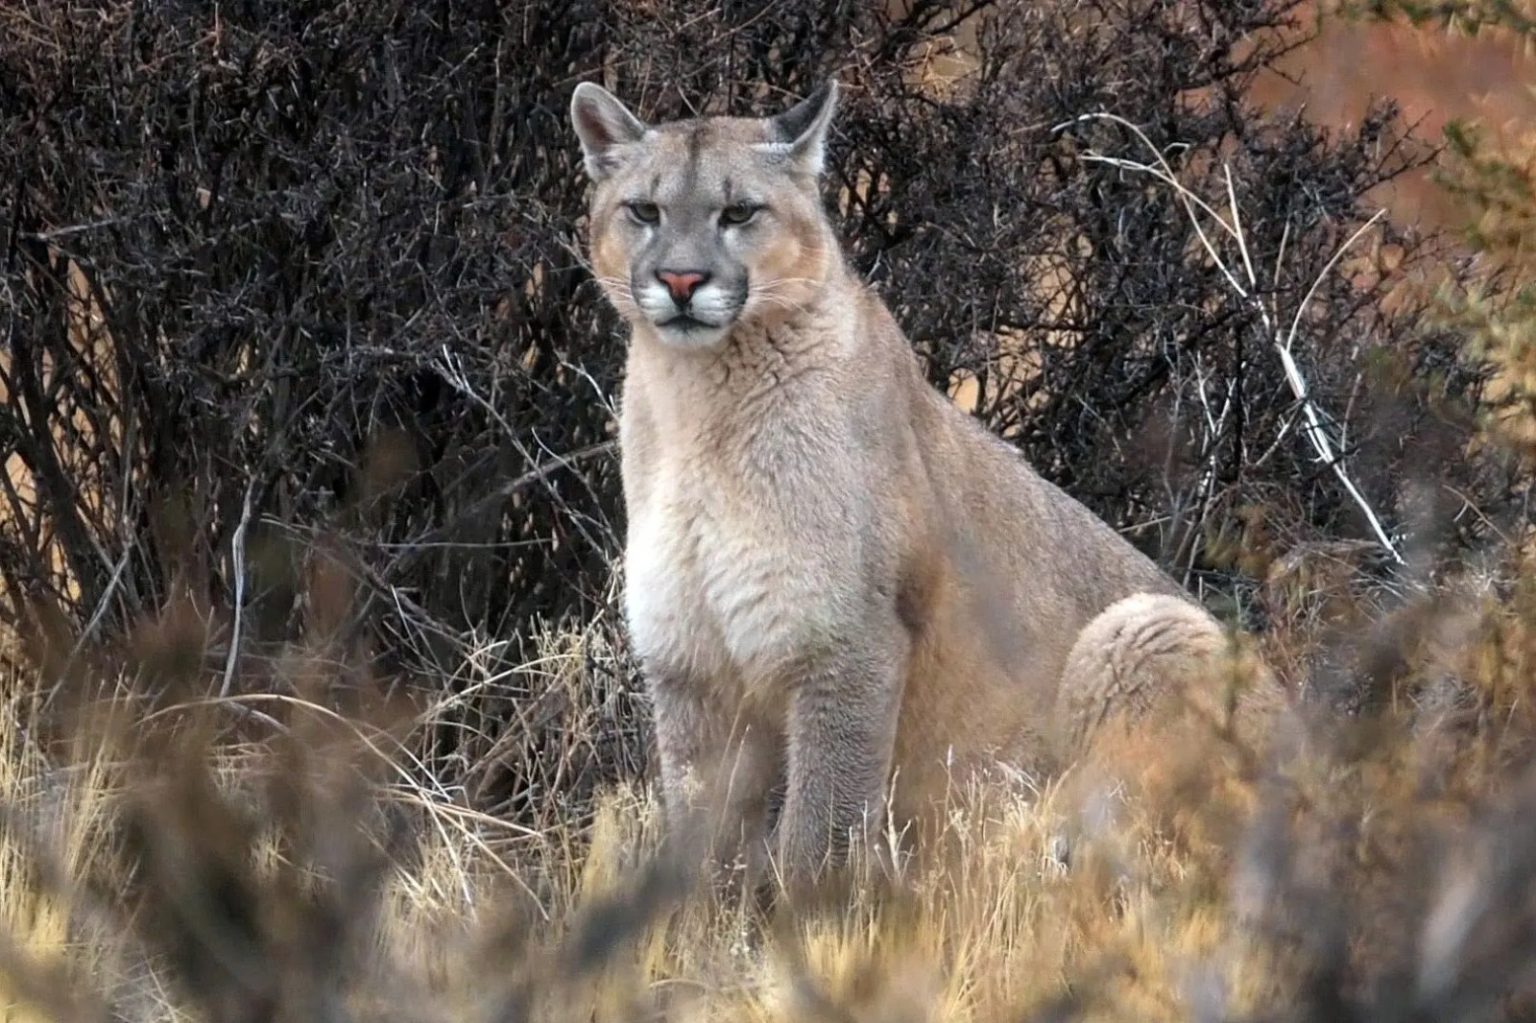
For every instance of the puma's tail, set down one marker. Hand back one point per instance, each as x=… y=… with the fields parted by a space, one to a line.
x=1148 y=656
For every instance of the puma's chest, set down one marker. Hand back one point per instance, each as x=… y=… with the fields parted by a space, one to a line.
x=718 y=589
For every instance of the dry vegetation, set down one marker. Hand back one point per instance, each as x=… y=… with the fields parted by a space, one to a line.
x=269 y=858
x=314 y=704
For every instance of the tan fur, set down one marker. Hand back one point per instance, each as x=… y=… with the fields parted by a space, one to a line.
x=832 y=572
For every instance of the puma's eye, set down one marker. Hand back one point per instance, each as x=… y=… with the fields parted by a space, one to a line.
x=738 y=213
x=644 y=212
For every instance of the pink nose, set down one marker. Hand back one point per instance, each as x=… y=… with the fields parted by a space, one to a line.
x=682 y=284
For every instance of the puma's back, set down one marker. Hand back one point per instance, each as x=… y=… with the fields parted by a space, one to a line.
x=833 y=572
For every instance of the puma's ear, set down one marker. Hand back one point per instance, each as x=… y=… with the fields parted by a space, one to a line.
x=802 y=129
x=605 y=126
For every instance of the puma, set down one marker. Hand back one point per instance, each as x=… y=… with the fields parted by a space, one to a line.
x=834 y=577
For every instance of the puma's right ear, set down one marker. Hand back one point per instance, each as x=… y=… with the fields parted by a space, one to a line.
x=605 y=126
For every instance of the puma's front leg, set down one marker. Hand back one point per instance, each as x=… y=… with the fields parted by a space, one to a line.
x=842 y=731
x=717 y=765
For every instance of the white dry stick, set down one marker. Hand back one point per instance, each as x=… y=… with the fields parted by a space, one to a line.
x=90 y=626
x=237 y=555
x=1315 y=429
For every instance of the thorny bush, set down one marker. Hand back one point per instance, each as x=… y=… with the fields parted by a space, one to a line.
x=284 y=276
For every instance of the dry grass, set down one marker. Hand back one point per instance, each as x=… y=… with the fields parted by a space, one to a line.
x=199 y=862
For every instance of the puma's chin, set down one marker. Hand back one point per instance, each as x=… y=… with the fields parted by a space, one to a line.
x=691 y=333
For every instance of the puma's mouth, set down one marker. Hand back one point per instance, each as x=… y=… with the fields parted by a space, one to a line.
x=685 y=322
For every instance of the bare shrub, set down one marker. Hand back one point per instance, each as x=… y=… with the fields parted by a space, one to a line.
x=273 y=270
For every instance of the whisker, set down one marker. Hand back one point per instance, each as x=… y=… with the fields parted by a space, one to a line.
x=781 y=283
x=779 y=303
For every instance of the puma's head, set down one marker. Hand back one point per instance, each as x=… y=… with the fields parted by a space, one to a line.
x=700 y=225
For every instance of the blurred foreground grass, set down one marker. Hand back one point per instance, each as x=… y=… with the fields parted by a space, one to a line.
x=272 y=858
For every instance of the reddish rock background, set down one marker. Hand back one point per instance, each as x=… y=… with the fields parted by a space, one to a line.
x=1434 y=75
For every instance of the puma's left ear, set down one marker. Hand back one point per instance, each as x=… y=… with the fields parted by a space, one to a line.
x=802 y=130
